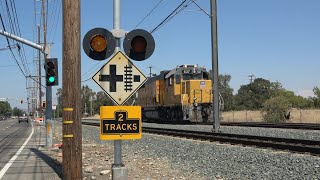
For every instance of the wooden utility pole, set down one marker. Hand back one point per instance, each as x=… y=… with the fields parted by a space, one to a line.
x=71 y=86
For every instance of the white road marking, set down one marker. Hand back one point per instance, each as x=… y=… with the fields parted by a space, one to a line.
x=7 y=166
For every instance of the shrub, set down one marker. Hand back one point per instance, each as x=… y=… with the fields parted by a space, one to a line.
x=275 y=109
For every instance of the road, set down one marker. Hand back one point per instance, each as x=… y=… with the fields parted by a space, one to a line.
x=19 y=154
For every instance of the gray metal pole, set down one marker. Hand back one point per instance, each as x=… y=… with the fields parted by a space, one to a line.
x=116 y=26
x=215 y=73
x=23 y=41
x=91 y=114
x=119 y=172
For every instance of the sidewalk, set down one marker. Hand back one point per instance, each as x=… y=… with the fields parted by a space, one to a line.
x=33 y=163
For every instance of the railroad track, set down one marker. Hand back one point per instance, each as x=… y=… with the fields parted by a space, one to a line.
x=294 y=145
x=306 y=126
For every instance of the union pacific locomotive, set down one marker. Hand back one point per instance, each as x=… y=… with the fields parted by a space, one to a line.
x=181 y=94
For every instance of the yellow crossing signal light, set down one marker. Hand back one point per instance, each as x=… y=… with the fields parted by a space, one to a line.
x=99 y=44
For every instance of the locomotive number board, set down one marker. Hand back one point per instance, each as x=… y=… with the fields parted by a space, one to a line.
x=120 y=122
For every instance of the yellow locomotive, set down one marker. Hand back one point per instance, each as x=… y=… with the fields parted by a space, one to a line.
x=182 y=94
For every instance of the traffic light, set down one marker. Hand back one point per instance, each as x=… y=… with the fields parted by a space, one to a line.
x=43 y=104
x=99 y=44
x=138 y=44
x=21 y=102
x=51 y=66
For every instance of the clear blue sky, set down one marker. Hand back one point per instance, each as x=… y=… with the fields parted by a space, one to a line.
x=277 y=40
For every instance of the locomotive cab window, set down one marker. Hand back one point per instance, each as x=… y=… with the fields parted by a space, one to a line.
x=192 y=76
x=178 y=79
x=206 y=76
x=170 y=81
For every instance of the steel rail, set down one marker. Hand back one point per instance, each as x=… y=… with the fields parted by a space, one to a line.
x=294 y=145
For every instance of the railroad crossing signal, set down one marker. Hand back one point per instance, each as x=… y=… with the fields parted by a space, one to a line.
x=119 y=78
x=99 y=44
x=51 y=67
x=120 y=122
x=138 y=44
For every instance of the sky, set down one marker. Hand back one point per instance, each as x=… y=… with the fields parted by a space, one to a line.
x=277 y=40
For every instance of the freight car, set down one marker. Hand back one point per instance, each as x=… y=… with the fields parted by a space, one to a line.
x=181 y=94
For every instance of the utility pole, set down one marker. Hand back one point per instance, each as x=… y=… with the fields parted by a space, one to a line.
x=91 y=110
x=39 y=80
x=215 y=73
x=71 y=86
x=251 y=78
x=150 y=74
x=85 y=108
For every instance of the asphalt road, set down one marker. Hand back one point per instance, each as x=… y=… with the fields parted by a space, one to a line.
x=30 y=163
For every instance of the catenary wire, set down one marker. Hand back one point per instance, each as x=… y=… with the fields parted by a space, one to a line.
x=149 y=13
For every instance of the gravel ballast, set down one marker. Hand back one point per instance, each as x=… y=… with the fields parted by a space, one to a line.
x=162 y=157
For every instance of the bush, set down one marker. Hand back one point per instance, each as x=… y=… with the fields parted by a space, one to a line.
x=275 y=109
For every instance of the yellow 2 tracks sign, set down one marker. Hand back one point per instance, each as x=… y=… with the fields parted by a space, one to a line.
x=120 y=122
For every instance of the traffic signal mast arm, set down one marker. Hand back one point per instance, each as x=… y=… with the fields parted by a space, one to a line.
x=26 y=42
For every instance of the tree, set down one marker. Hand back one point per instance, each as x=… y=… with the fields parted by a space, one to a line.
x=253 y=95
x=102 y=100
x=4 y=108
x=316 y=100
x=276 y=109
x=226 y=91
x=294 y=101
x=17 y=112
x=86 y=93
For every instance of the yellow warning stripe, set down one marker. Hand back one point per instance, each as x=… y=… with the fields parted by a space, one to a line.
x=67 y=122
x=68 y=109
x=68 y=136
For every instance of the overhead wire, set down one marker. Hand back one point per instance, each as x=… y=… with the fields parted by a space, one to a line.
x=149 y=13
x=14 y=57
x=201 y=8
x=16 y=20
x=176 y=11
x=13 y=24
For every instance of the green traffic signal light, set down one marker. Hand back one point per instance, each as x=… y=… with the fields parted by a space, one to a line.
x=51 y=79
x=51 y=67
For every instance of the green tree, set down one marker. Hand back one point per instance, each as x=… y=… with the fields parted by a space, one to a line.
x=253 y=95
x=316 y=100
x=17 y=112
x=86 y=94
x=4 y=108
x=101 y=100
x=275 y=109
x=294 y=101
x=226 y=91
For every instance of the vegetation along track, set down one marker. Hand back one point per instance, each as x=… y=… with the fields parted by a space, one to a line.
x=295 y=145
